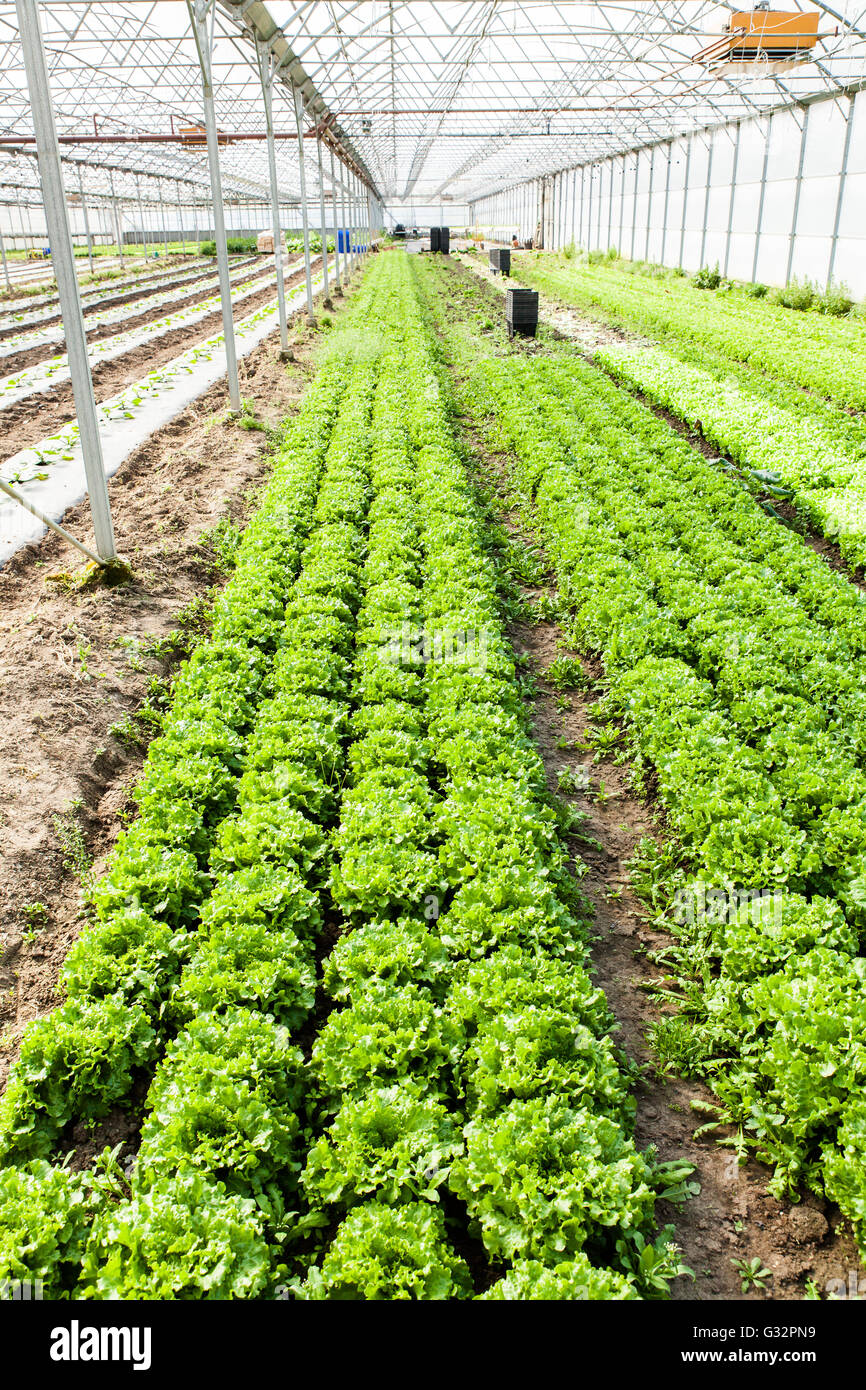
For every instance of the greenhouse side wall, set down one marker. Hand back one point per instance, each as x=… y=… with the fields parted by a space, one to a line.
x=772 y=198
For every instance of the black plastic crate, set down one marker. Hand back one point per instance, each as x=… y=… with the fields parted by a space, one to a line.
x=434 y=238
x=444 y=240
x=521 y=312
x=500 y=260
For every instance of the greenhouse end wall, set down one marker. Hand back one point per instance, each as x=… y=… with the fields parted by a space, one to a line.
x=771 y=198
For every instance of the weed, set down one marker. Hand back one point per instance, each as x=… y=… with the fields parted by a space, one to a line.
x=73 y=846
x=753 y=1273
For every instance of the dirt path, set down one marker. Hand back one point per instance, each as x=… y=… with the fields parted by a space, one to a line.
x=75 y=666
x=44 y=413
x=733 y=1217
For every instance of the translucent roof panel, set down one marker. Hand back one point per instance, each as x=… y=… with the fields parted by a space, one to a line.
x=434 y=97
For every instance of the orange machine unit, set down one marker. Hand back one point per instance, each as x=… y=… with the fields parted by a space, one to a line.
x=764 y=35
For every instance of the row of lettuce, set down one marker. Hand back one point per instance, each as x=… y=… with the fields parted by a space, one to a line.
x=735 y=658
x=737 y=372
x=438 y=1109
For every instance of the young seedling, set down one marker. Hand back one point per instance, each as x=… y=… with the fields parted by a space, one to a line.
x=753 y=1273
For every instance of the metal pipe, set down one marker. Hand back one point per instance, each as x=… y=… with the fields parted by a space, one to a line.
x=5 y=266
x=843 y=176
x=64 y=269
x=337 y=286
x=797 y=187
x=308 y=275
x=46 y=521
x=266 y=75
x=731 y=203
x=761 y=198
x=198 y=13
x=327 y=298
x=86 y=220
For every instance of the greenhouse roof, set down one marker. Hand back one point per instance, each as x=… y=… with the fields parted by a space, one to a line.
x=428 y=98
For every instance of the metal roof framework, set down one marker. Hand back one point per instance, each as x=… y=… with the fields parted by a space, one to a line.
x=422 y=98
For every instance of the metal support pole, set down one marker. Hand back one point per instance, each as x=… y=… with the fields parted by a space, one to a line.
x=46 y=521
x=86 y=220
x=5 y=266
x=347 y=244
x=48 y=154
x=164 y=218
x=621 y=206
x=116 y=214
x=707 y=200
x=634 y=204
x=141 y=214
x=267 y=72
x=337 y=287
x=649 y=202
x=324 y=224
x=798 y=186
x=667 y=200
x=199 y=12
x=299 y=120
x=180 y=220
x=843 y=176
x=761 y=198
x=685 y=200
x=731 y=204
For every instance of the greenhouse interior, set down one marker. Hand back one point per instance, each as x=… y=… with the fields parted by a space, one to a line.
x=433 y=575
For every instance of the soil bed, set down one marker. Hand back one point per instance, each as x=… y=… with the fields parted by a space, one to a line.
x=45 y=412
x=733 y=1217
x=75 y=663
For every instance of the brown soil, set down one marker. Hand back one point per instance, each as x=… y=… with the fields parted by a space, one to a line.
x=733 y=1216
x=111 y=301
x=44 y=413
x=67 y=664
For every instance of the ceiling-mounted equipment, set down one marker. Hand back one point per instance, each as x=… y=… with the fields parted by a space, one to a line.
x=764 y=36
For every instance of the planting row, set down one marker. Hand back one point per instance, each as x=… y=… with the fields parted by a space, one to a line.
x=99 y=318
x=313 y=780
x=826 y=355
x=789 y=443
x=735 y=658
x=105 y=296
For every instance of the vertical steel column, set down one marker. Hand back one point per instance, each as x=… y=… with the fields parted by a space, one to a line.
x=164 y=218
x=48 y=155
x=610 y=202
x=86 y=219
x=621 y=205
x=324 y=222
x=348 y=263
x=299 y=121
x=707 y=198
x=180 y=225
x=761 y=198
x=199 y=12
x=589 y=246
x=141 y=214
x=634 y=203
x=649 y=203
x=267 y=74
x=731 y=203
x=116 y=213
x=685 y=199
x=797 y=187
x=667 y=200
x=843 y=177
x=5 y=266
x=334 y=210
